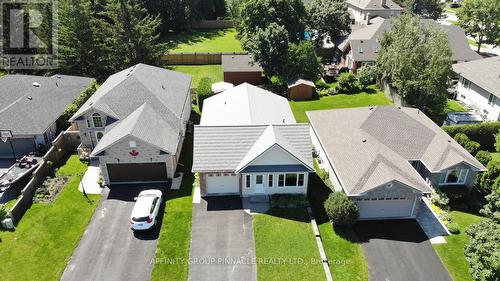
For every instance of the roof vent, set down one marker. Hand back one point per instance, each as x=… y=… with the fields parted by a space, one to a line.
x=370 y=107
x=36 y=84
x=163 y=87
x=449 y=141
x=232 y=57
x=363 y=140
x=57 y=85
x=399 y=107
x=58 y=76
x=91 y=103
x=30 y=97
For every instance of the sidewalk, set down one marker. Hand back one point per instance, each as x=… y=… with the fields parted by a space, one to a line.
x=89 y=181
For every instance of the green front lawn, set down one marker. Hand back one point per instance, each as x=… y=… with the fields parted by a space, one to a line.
x=374 y=97
x=48 y=233
x=213 y=72
x=285 y=237
x=452 y=253
x=203 y=41
x=172 y=252
x=344 y=252
x=453 y=106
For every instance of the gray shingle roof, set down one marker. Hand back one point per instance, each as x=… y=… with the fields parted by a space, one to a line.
x=230 y=148
x=246 y=104
x=239 y=63
x=371 y=147
x=300 y=81
x=365 y=46
x=374 y=4
x=146 y=125
x=485 y=73
x=29 y=110
x=123 y=95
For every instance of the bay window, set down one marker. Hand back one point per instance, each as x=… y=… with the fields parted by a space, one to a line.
x=455 y=176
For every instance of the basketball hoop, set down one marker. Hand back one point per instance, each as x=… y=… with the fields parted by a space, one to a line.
x=5 y=135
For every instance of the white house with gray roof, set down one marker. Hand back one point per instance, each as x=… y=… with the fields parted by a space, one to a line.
x=135 y=124
x=385 y=158
x=248 y=143
x=362 y=11
x=362 y=46
x=30 y=106
x=479 y=86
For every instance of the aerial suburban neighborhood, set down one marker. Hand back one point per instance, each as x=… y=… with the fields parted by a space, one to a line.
x=346 y=140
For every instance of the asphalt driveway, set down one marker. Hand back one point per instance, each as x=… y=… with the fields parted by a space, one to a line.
x=109 y=250
x=222 y=243
x=399 y=250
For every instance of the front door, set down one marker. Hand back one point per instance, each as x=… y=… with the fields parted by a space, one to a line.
x=259 y=184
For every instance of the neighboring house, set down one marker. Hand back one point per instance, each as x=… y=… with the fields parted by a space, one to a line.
x=239 y=69
x=30 y=106
x=300 y=89
x=135 y=124
x=361 y=11
x=362 y=46
x=479 y=86
x=385 y=158
x=248 y=144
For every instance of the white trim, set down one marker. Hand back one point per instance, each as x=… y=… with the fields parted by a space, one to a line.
x=447 y=173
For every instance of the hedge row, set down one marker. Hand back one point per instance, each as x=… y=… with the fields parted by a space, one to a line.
x=483 y=133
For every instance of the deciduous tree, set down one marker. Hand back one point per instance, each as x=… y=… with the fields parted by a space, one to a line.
x=481 y=19
x=415 y=58
x=328 y=19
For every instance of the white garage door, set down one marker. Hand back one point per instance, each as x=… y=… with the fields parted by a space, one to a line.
x=394 y=208
x=222 y=184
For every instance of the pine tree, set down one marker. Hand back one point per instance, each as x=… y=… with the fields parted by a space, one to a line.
x=130 y=34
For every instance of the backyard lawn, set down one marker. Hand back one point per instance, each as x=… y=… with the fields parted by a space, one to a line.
x=452 y=253
x=453 y=106
x=343 y=251
x=172 y=252
x=286 y=234
x=213 y=72
x=48 y=233
x=375 y=97
x=203 y=41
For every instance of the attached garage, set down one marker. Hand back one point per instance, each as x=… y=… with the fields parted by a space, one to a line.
x=371 y=208
x=222 y=184
x=21 y=147
x=137 y=172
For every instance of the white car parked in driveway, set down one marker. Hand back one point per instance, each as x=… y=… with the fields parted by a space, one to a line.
x=145 y=210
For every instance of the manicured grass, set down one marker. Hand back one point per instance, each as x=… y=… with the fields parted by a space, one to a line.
x=286 y=237
x=472 y=42
x=451 y=10
x=343 y=251
x=10 y=203
x=213 y=72
x=452 y=253
x=172 y=252
x=46 y=236
x=452 y=22
x=373 y=97
x=453 y=106
x=203 y=41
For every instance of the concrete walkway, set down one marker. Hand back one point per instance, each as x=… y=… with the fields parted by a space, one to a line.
x=89 y=181
x=433 y=228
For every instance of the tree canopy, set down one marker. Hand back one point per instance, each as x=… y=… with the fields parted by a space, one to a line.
x=483 y=250
x=431 y=9
x=481 y=19
x=328 y=19
x=415 y=59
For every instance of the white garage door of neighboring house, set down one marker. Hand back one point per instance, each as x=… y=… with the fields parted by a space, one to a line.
x=395 y=208
x=222 y=184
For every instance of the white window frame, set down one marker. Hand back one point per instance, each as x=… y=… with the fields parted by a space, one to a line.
x=462 y=174
x=270 y=180
x=303 y=179
x=466 y=83
x=89 y=123
x=132 y=144
x=96 y=115
x=296 y=179
x=248 y=181
x=492 y=99
x=279 y=176
x=96 y=137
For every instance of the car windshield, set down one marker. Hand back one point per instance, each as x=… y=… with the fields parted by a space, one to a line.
x=140 y=219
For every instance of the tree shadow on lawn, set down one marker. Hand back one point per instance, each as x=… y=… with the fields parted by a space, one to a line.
x=173 y=40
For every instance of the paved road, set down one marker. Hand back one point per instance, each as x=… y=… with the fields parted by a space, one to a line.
x=222 y=238
x=109 y=250
x=399 y=250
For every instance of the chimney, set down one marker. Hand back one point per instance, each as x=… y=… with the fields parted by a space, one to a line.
x=368 y=17
x=384 y=2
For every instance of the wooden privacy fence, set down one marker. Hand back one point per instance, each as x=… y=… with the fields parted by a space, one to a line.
x=195 y=58
x=65 y=142
x=212 y=24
